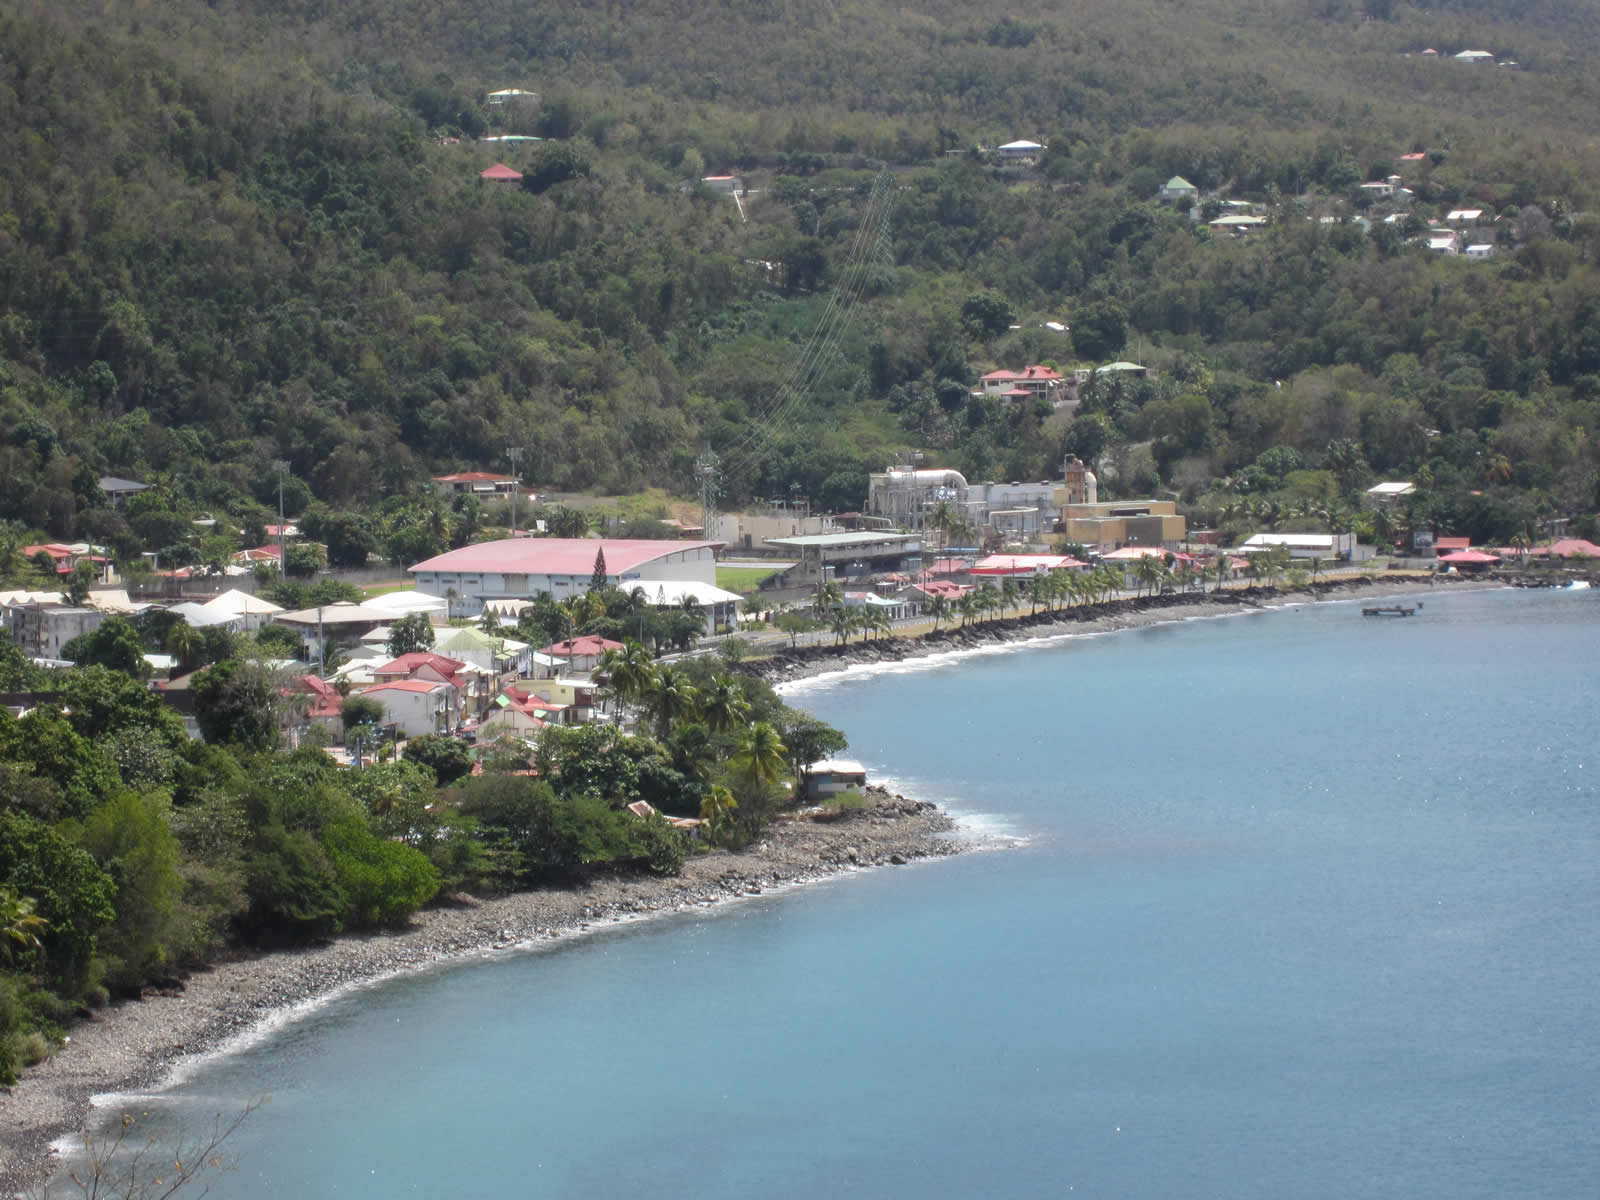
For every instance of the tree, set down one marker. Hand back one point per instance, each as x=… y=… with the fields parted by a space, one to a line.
x=410 y=634
x=794 y=624
x=553 y=163
x=447 y=756
x=807 y=740
x=671 y=699
x=567 y=522
x=597 y=578
x=239 y=703
x=20 y=924
x=79 y=583
x=986 y=314
x=114 y=644
x=760 y=756
x=939 y=609
x=722 y=705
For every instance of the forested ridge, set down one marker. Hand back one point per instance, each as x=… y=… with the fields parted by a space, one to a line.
x=235 y=232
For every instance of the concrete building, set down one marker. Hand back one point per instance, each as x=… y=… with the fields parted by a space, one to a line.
x=521 y=568
x=417 y=706
x=1381 y=495
x=851 y=555
x=753 y=530
x=41 y=628
x=905 y=495
x=834 y=775
x=478 y=483
x=1106 y=526
x=1020 y=153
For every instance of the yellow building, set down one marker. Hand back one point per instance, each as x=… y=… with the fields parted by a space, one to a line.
x=1112 y=523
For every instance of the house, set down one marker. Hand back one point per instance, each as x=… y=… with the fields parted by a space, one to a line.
x=1463 y=216
x=1109 y=524
x=342 y=622
x=512 y=96
x=720 y=606
x=1415 y=156
x=478 y=483
x=521 y=568
x=581 y=653
x=1474 y=57
x=420 y=664
x=415 y=707
x=1450 y=545
x=926 y=592
x=1178 y=188
x=724 y=185
x=1019 y=154
x=500 y=173
x=1443 y=241
x=1568 y=548
x=1237 y=224
x=118 y=490
x=1481 y=249
x=1122 y=370
x=320 y=705
x=518 y=711
x=65 y=558
x=834 y=775
x=1381 y=494
x=489 y=652
x=1035 y=381
x=578 y=697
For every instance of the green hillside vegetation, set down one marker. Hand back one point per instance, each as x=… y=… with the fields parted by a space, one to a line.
x=233 y=234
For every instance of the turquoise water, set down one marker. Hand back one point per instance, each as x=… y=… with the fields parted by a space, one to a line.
x=1300 y=905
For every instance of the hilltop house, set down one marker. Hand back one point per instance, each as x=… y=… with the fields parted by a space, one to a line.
x=1179 y=188
x=1019 y=154
x=1035 y=381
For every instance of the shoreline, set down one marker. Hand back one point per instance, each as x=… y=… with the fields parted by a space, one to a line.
x=789 y=666
x=139 y=1045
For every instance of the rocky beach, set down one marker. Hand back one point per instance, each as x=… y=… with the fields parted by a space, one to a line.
x=134 y=1045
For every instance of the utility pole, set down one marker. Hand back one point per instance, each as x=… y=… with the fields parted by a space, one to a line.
x=708 y=472
x=282 y=468
x=515 y=453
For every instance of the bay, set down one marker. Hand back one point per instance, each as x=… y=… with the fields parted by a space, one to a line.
x=1290 y=904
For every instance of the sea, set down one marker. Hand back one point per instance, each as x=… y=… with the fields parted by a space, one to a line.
x=1289 y=904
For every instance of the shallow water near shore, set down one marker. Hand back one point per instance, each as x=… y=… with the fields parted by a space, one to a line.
x=1303 y=905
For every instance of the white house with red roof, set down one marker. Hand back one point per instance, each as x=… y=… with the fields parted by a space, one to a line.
x=417 y=706
x=521 y=568
x=1039 y=382
x=518 y=710
x=581 y=653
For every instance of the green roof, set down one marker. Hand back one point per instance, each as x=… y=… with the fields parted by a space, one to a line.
x=1177 y=182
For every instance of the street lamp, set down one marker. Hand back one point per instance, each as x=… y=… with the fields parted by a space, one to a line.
x=515 y=453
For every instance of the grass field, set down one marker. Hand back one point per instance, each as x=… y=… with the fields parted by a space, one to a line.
x=379 y=589
x=743 y=579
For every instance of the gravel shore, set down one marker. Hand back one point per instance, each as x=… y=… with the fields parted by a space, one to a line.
x=134 y=1045
x=791 y=666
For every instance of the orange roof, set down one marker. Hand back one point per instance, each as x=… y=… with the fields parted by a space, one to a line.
x=500 y=173
x=405 y=685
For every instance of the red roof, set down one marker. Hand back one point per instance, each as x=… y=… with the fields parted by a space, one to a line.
x=557 y=556
x=416 y=660
x=500 y=173
x=943 y=587
x=1570 y=548
x=257 y=554
x=1023 y=564
x=947 y=566
x=1469 y=556
x=529 y=703
x=588 y=646
x=474 y=477
x=1452 y=543
x=1416 y=157
x=53 y=549
x=405 y=685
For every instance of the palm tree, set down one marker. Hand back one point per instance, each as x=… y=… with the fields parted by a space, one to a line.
x=878 y=620
x=942 y=517
x=830 y=594
x=716 y=807
x=1010 y=594
x=939 y=608
x=1149 y=571
x=988 y=599
x=759 y=758
x=1039 y=589
x=842 y=622
x=967 y=604
x=1316 y=567
x=183 y=643
x=632 y=672
x=671 y=699
x=723 y=707
x=489 y=622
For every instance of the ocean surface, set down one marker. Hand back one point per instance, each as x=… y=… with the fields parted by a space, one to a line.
x=1293 y=904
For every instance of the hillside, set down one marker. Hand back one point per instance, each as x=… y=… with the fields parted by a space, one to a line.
x=240 y=232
